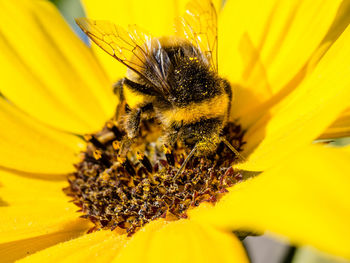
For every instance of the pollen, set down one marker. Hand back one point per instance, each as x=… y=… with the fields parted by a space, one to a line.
x=97 y=154
x=125 y=193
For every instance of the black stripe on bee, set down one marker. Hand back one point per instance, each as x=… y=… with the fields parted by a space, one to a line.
x=203 y=126
x=140 y=88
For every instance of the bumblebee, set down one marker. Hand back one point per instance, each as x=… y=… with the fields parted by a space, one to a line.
x=174 y=78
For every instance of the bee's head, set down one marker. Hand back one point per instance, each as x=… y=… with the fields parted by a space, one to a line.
x=205 y=134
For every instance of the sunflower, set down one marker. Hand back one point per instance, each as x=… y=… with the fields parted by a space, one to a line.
x=289 y=63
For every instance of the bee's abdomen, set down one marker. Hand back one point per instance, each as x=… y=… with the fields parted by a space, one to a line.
x=215 y=107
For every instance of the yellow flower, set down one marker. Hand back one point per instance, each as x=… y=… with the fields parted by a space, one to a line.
x=290 y=61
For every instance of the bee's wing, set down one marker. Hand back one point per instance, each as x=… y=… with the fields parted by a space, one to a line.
x=199 y=25
x=132 y=48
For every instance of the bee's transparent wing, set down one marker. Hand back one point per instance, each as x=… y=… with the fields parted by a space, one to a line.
x=199 y=26
x=132 y=48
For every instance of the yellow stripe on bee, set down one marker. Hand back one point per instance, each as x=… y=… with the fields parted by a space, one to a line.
x=133 y=98
x=215 y=107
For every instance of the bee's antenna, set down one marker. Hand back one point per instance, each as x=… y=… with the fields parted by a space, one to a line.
x=183 y=165
x=228 y=144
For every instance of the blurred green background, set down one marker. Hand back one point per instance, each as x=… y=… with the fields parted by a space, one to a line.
x=71 y=9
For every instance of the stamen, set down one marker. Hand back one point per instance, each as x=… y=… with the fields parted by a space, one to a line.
x=94 y=141
x=97 y=154
x=118 y=134
x=127 y=165
x=116 y=145
x=145 y=161
x=169 y=155
x=100 y=156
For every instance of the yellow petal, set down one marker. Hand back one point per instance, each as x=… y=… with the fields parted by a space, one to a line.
x=22 y=222
x=263 y=48
x=181 y=241
x=35 y=210
x=305 y=198
x=241 y=23
x=11 y=251
x=338 y=129
x=100 y=246
x=48 y=71
x=22 y=232
x=294 y=36
x=305 y=113
x=20 y=190
x=27 y=145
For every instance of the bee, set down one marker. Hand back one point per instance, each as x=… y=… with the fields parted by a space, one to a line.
x=173 y=78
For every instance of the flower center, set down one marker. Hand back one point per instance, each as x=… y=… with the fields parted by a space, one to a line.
x=126 y=193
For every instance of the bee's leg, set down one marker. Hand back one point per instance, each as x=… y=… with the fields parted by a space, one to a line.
x=125 y=146
x=118 y=90
x=133 y=119
x=172 y=134
x=228 y=144
x=183 y=165
x=132 y=123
